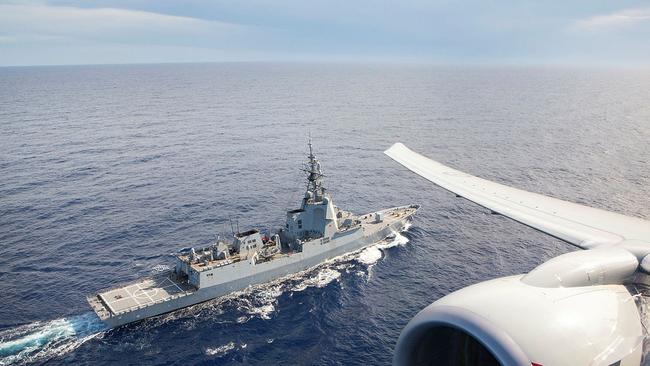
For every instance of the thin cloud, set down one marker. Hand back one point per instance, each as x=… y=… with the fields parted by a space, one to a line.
x=39 y=21
x=623 y=18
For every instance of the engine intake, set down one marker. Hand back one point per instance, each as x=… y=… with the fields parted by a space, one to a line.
x=507 y=321
x=450 y=336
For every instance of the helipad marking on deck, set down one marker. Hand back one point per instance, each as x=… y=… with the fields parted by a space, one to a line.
x=173 y=283
x=145 y=292
x=130 y=294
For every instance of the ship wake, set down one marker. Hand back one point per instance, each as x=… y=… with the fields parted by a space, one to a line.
x=44 y=340
x=370 y=255
x=40 y=341
x=260 y=301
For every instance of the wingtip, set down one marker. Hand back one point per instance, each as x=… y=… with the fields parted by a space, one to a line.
x=396 y=146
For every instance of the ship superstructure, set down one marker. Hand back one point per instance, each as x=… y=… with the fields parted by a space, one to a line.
x=313 y=233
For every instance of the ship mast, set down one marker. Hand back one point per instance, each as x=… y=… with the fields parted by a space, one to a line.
x=315 y=189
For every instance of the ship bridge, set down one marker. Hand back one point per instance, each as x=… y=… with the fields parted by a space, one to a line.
x=317 y=215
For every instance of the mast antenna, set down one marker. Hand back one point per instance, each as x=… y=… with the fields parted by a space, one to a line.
x=315 y=189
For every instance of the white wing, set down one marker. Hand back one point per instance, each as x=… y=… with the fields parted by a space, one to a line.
x=583 y=226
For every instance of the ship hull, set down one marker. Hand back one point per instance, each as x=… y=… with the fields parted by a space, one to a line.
x=264 y=272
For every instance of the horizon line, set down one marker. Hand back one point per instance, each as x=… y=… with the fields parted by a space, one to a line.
x=603 y=65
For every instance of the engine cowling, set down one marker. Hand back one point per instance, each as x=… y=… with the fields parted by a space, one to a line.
x=515 y=321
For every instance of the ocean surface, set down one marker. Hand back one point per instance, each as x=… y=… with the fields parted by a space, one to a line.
x=107 y=170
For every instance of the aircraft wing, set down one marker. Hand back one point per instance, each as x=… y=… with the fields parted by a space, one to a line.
x=583 y=226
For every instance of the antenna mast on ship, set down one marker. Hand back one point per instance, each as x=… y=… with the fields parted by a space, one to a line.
x=315 y=189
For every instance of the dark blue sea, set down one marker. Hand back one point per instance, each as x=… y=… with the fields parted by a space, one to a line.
x=105 y=171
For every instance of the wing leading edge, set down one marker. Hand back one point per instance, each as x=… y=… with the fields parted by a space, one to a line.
x=583 y=226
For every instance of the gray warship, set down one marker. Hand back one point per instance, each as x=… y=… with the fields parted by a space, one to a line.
x=314 y=233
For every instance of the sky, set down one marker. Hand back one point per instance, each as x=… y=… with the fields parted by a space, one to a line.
x=509 y=32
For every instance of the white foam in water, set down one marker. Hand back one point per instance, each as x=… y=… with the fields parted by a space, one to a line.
x=242 y=319
x=321 y=279
x=160 y=268
x=221 y=350
x=39 y=341
x=265 y=300
x=370 y=255
x=396 y=239
x=260 y=301
x=264 y=311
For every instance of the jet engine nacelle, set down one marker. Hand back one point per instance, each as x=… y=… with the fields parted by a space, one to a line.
x=533 y=320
